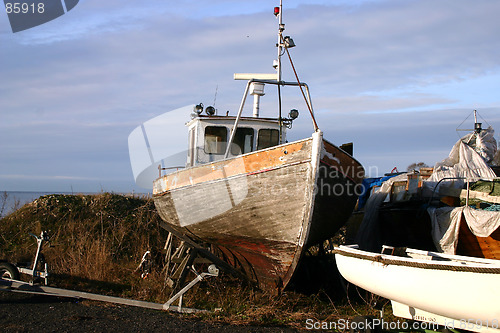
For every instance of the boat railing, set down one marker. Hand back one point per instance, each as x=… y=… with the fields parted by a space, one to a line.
x=160 y=169
x=468 y=181
x=273 y=82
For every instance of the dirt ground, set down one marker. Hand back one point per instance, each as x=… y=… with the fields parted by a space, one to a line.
x=38 y=313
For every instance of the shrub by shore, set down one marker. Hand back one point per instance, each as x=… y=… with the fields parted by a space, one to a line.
x=98 y=241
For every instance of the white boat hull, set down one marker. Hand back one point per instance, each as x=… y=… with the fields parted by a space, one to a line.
x=451 y=293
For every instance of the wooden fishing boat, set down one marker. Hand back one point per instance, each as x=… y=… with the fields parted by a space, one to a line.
x=264 y=208
x=449 y=290
x=259 y=199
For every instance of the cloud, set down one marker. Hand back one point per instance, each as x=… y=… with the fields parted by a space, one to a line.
x=392 y=76
x=410 y=43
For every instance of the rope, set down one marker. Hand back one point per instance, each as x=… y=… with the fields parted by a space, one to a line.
x=300 y=86
x=436 y=265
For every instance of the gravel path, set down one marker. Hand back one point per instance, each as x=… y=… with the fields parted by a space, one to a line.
x=38 y=313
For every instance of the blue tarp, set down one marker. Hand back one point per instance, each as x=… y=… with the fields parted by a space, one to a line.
x=367 y=184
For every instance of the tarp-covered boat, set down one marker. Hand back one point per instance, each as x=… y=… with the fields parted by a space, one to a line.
x=452 y=208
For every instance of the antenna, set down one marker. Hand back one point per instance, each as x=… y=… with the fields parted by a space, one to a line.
x=477 y=126
x=215 y=97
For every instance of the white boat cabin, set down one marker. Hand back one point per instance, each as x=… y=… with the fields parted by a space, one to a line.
x=209 y=135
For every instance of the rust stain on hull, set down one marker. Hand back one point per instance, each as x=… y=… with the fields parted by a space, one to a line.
x=264 y=261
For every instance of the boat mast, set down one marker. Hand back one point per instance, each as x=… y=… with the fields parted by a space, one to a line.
x=477 y=126
x=276 y=78
x=284 y=43
x=278 y=11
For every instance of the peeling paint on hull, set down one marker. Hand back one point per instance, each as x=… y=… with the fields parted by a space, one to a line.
x=263 y=209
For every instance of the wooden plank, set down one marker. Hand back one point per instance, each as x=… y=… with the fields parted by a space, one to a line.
x=261 y=161
x=202 y=251
x=458 y=193
x=481 y=196
x=474 y=246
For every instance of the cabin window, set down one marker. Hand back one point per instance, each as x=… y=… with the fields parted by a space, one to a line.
x=268 y=138
x=215 y=140
x=243 y=141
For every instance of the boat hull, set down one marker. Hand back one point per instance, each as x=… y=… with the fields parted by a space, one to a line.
x=261 y=210
x=406 y=224
x=475 y=246
x=463 y=290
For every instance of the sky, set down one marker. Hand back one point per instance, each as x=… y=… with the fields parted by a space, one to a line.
x=396 y=77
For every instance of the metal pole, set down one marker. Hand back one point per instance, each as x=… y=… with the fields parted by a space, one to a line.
x=233 y=130
x=280 y=45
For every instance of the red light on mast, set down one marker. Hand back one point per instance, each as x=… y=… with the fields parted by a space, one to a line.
x=276 y=11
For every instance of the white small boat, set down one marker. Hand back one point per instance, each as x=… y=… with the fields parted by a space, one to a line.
x=449 y=290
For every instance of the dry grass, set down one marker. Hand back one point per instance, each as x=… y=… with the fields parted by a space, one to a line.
x=98 y=241
x=95 y=237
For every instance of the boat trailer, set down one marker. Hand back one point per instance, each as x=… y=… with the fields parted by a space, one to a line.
x=10 y=281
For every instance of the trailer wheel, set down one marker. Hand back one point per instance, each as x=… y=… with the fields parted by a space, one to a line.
x=8 y=271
